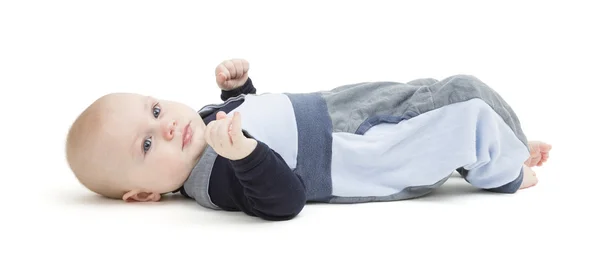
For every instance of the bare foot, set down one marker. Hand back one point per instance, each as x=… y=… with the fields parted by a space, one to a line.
x=529 y=178
x=540 y=152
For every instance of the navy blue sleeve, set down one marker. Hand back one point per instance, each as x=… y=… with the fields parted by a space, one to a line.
x=260 y=185
x=247 y=88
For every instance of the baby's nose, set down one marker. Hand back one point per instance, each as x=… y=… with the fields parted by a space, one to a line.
x=169 y=129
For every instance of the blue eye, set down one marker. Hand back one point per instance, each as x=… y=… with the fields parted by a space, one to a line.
x=147 y=144
x=156 y=111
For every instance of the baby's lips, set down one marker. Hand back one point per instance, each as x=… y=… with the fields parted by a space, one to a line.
x=187 y=135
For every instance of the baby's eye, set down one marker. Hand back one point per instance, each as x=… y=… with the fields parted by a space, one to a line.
x=147 y=144
x=156 y=110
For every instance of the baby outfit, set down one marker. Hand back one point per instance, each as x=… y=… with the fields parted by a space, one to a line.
x=362 y=142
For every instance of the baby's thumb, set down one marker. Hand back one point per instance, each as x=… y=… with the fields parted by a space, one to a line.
x=221 y=77
x=223 y=82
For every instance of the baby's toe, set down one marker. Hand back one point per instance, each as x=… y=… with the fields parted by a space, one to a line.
x=545 y=147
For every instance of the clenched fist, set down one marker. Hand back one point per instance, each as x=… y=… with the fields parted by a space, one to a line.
x=225 y=136
x=232 y=73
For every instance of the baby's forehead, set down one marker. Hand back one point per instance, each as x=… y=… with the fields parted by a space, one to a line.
x=122 y=106
x=120 y=99
x=121 y=113
x=114 y=142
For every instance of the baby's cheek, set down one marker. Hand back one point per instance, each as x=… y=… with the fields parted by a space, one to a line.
x=171 y=166
x=175 y=165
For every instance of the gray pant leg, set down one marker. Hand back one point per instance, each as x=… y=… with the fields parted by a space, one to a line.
x=422 y=82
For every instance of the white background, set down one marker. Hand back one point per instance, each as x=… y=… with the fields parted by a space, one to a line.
x=58 y=56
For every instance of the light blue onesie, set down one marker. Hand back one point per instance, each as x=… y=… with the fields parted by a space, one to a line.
x=382 y=141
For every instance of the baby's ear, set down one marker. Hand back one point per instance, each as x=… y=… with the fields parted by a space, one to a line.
x=140 y=196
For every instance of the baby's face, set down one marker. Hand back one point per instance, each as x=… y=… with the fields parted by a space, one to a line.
x=153 y=143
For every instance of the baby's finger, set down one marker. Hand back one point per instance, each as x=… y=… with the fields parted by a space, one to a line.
x=236 y=128
x=246 y=65
x=239 y=67
x=231 y=68
x=223 y=132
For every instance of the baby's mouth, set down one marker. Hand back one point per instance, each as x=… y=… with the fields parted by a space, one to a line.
x=186 y=137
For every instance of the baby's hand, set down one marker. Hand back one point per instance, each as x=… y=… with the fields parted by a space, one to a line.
x=232 y=73
x=225 y=136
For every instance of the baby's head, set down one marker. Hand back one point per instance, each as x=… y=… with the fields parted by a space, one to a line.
x=130 y=146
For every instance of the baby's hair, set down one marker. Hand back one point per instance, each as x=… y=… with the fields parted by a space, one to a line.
x=84 y=155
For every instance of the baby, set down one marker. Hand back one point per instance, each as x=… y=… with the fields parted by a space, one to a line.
x=268 y=155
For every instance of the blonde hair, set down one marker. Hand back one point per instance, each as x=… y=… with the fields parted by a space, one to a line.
x=85 y=156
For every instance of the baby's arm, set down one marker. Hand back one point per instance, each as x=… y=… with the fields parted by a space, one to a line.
x=258 y=181
x=265 y=186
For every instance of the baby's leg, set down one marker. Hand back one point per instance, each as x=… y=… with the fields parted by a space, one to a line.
x=498 y=154
x=501 y=145
x=469 y=136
